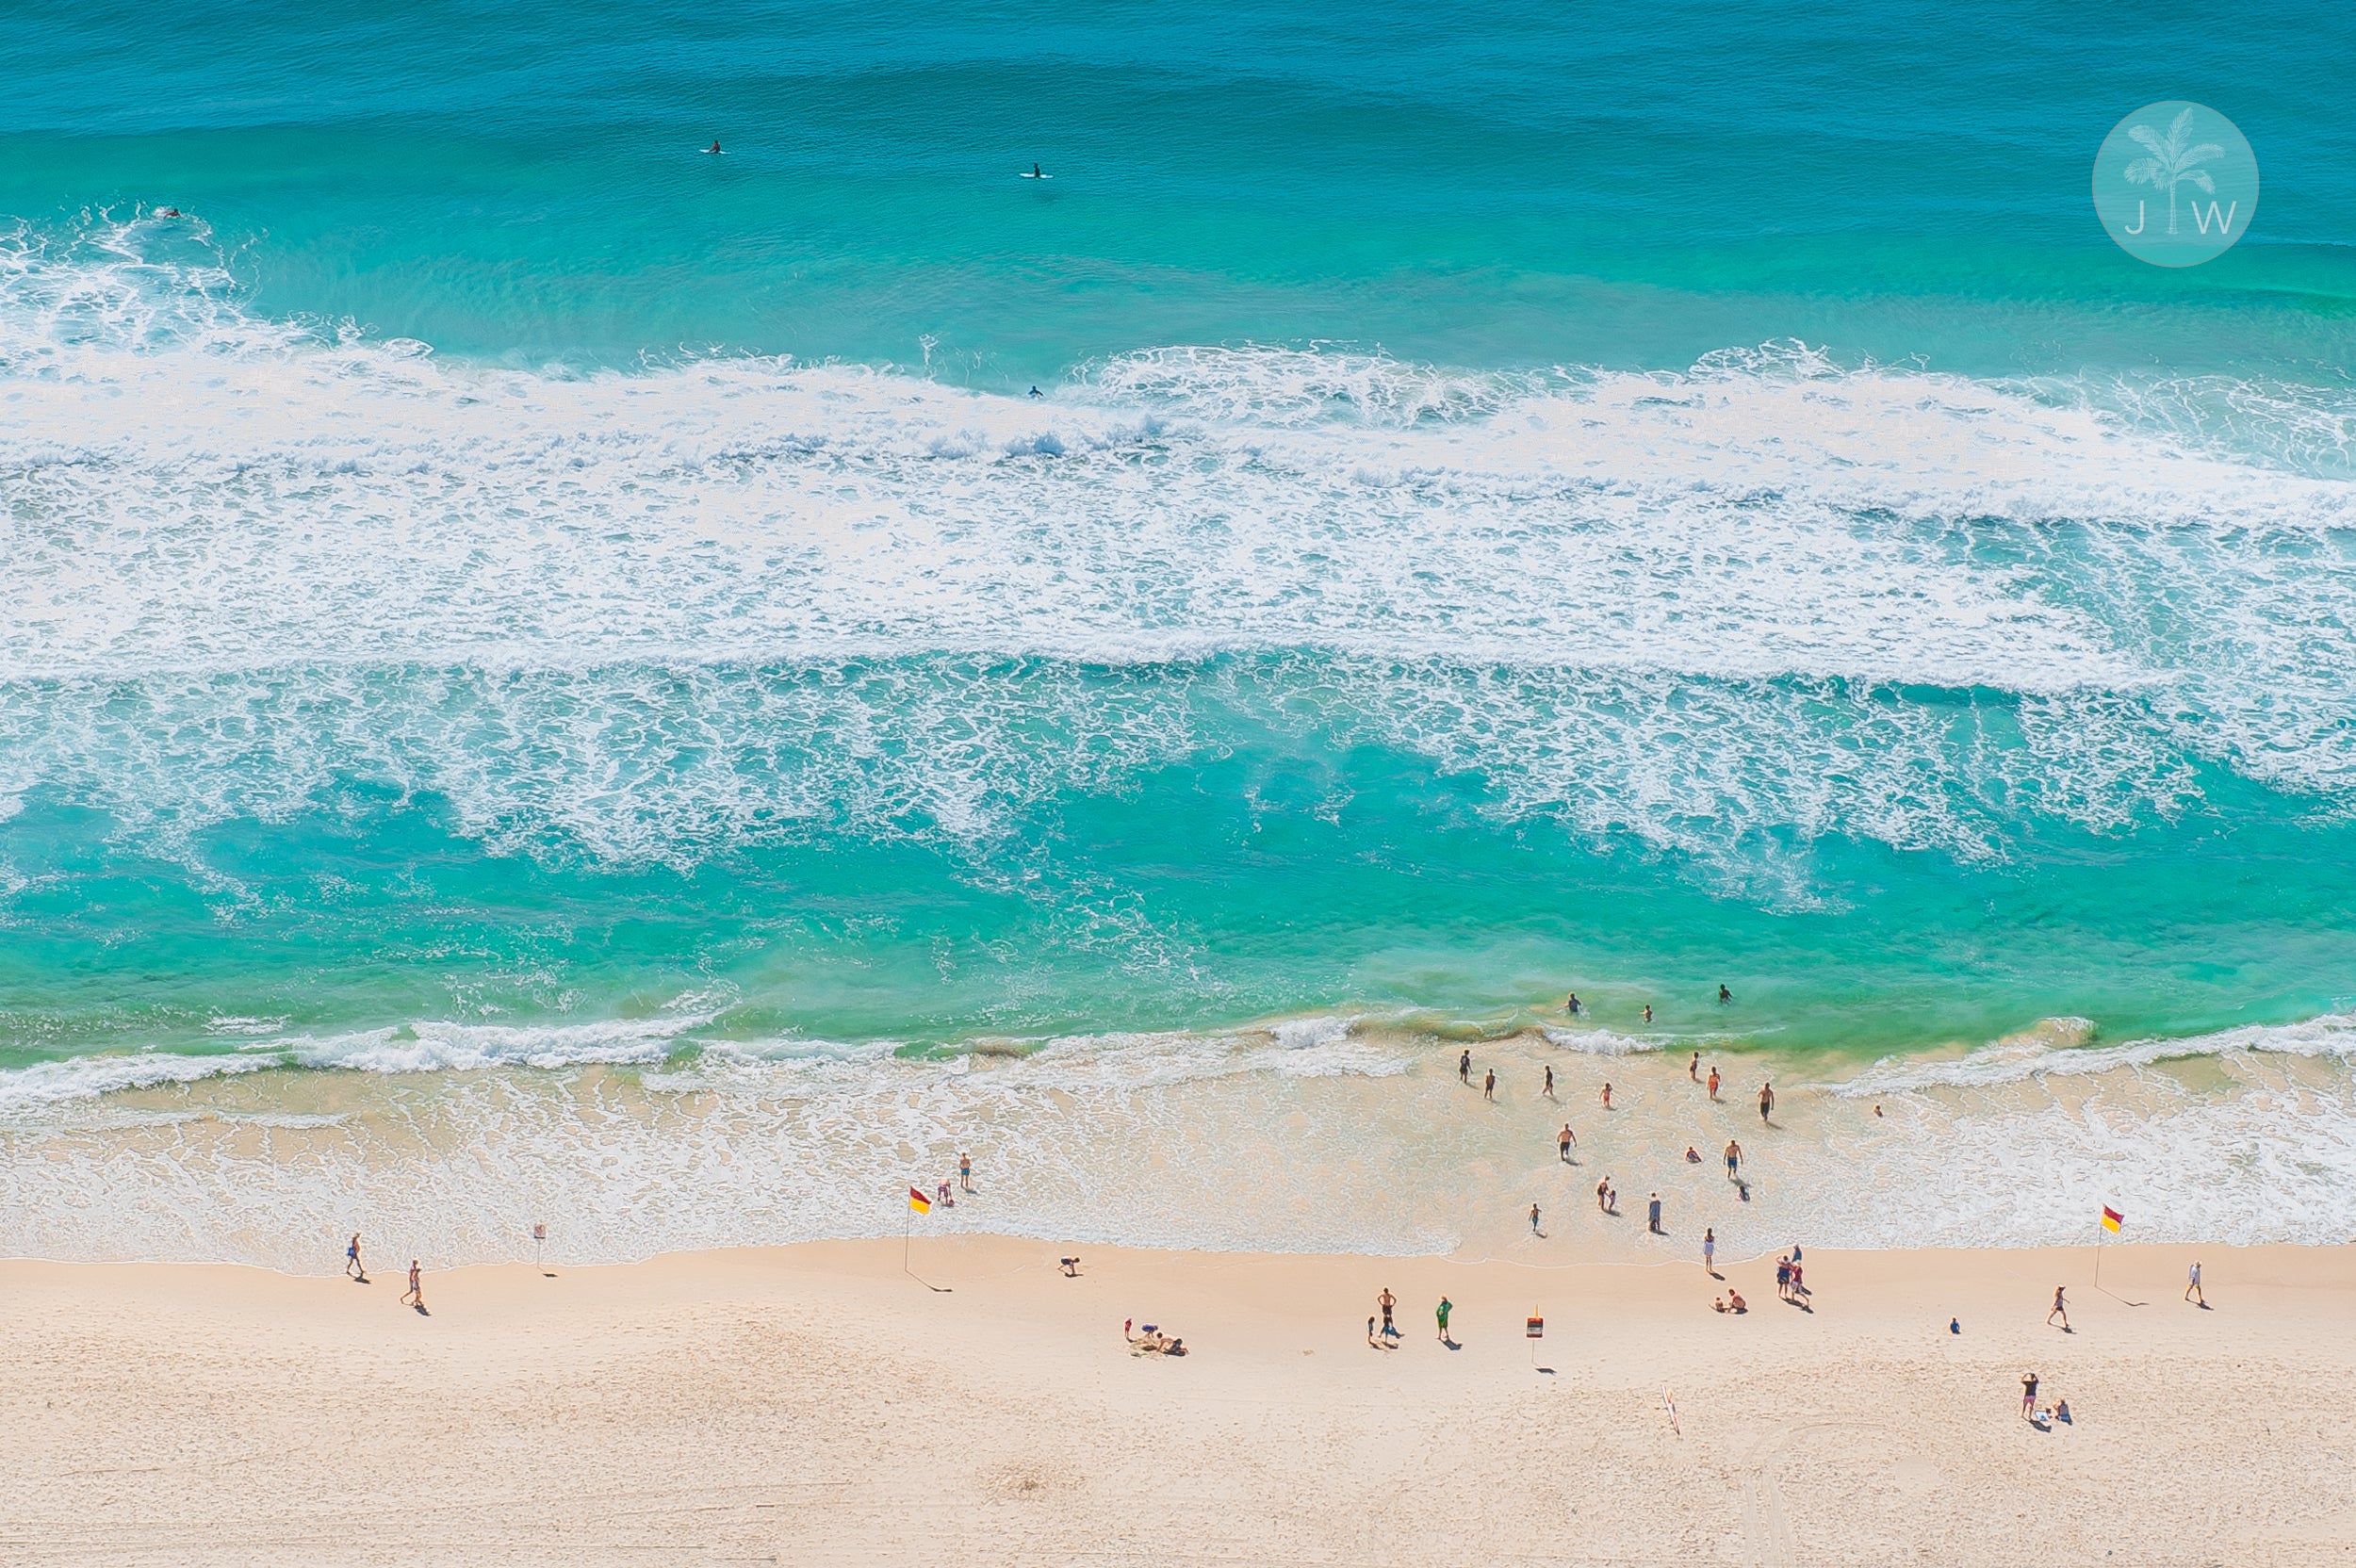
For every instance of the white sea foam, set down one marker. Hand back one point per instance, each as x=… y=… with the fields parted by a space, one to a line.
x=47 y=1083
x=437 y=1046
x=2034 y=1057
x=645 y=617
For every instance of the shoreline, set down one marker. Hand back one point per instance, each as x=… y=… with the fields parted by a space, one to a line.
x=812 y=1404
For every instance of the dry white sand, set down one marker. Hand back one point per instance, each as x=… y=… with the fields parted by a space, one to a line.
x=813 y=1405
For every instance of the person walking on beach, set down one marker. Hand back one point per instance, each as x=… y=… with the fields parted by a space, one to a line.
x=1441 y=1312
x=965 y=1172
x=2028 y=1395
x=1563 y=1143
x=1386 y=1301
x=355 y=1269
x=1489 y=1086
x=1709 y=1253
x=1714 y=1081
x=1533 y=1221
x=1652 y=1216
x=1464 y=1070
x=2061 y=1309
x=415 y=1295
x=2192 y=1283
x=1548 y=1090
x=1694 y=1067
x=1766 y=1103
x=1607 y=1097
x=1734 y=1161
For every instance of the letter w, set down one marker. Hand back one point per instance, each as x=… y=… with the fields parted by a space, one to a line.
x=2204 y=218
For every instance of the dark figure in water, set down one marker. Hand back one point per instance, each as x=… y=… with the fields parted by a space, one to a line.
x=714 y=148
x=1724 y=996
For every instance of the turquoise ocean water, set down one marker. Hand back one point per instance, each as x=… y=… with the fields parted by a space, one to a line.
x=1518 y=501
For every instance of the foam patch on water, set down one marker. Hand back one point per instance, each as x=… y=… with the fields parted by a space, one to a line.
x=2028 y=1057
x=446 y=1047
x=49 y=1084
x=654 y=617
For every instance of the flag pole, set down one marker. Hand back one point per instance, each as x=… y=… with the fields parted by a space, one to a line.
x=2098 y=1255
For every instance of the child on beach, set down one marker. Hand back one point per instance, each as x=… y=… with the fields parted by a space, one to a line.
x=1709 y=1252
x=1489 y=1086
x=415 y=1295
x=1713 y=1081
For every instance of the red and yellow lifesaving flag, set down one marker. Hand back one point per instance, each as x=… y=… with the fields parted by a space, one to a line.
x=923 y=1205
x=2111 y=1220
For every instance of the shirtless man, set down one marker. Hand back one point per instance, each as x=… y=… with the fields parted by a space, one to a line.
x=1766 y=1101
x=1563 y=1143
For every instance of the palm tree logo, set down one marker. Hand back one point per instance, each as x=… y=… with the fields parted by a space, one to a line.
x=2172 y=162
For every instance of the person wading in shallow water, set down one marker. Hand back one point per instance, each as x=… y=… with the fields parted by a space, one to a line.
x=1766 y=1101
x=1463 y=1068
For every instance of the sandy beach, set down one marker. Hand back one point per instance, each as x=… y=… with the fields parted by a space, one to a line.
x=814 y=1405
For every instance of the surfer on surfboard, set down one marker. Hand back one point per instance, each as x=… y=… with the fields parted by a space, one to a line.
x=1034 y=174
x=714 y=148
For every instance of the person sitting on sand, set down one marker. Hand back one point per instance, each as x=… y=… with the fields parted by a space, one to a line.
x=1175 y=1347
x=2061 y=1413
x=1693 y=1155
x=1718 y=1305
x=1735 y=1301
